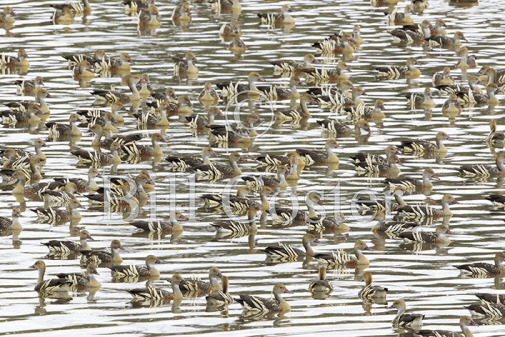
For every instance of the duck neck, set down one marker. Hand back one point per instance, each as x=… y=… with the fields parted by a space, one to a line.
x=42 y=271
x=466 y=331
x=303 y=106
x=214 y=282
x=92 y=185
x=308 y=248
x=97 y=138
x=399 y=200
x=252 y=84
x=234 y=166
x=445 y=208
x=361 y=257
x=206 y=158
x=311 y=211
x=501 y=165
x=16 y=225
x=93 y=282
x=134 y=90
x=210 y=117
x=177 y=291
x=440 y=144
x=426 y=181
x=116 y=160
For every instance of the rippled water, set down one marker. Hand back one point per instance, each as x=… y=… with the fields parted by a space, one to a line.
x=424 y=277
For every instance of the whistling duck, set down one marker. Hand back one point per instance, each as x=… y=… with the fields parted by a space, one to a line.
x=187 y=162
x=336 y=44
x=284 y=251
x=260 y=304
x=484 y=269
x=185 y=65
x=182 y=13
x=368 y=157
x=144 y=87
x=419 y=211
x=275 y=93
x=121 y=139
x=137 y=270
x=82 y=71
x=127 y=194
x=19 y=154
x=341 y=258
x=75 y=59
x=40 y=95
x=63 y=16
x=395 y=18
x=100 y=158
x=55 y=215
x=133 y=6
x=464 y=322
x=226 y=5
x=12 y=61
x=15 y=160
x=183 y=106
x=70 y=246
x=496 y=199
x=290 y=65
x=336 y=96
x=394 y=72
x=324 y=223
x=374 y=204
x=337 y=128
x=104 y=257
x=12 y=223
x=24 y=175
x=216 y=171
x=413 y=321
x=457 y=88
x=149 y=17
x=391 y=227
x=492 y=298
x=420 y=145
x=168 y=95
x=278 y=18
x=208 y=94
x=360 y=111
x=480 y=98
x=195 y=285
x=238 y=227
x=199 y=121
x=484 y=170
x=237 y=46
x=93 y=114
x=494 y=136
x=161 y=226
x=445 y=41
x=151 y=293
x=82 y=280
x=288 y=215
x=229 y=89
x=6 y=18
x=466 y=61
x=442 y=78
x=134 y=149
x=28 y=87
x=390 y=166
x=412 y=184
x=493 y=75
x=437 y=237
x=230 y=29
x=296 y=114
x=213 y=200
x=256 y=182
x=221 y=297
x=51 y=285
x=60 y=196
x=32 y=115
x=321 y=284
x=370 y=291
x=231 y=133
x=452 y=106
x=487 y=310
x=321 y=157
x=111 y=96
x=75 y=7
x=403 y=35
x=275 y=160
x=331 y=75
x=57 y=130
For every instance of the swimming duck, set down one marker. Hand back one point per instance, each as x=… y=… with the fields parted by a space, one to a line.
x=182 y=13
x=82 y=280
x=481 y=98
x=464 y=322
x=55 y=215
x=445 y=41
x=256 y=182
x=185 y=65
x=133 y=6
x=199 y=121
x=237 y=46
x=395 y=18
x=230 y=29
x=260 y=304
x=284 y=251
x=82 y=71
x=149 y=17
x=75 y=59
x=494 y=136
x=106 y=143
x=28 y=87
x=63 y=195
x=336 y=44
x=457 y=88
x=161 y=226
x=442 y=78
x=424 y=99
x=104 y=257
x=321 y=284
x=336 y=75
x=342 y=258
x=67 y=247
x=151 y=293
x=361 y=111
x=63 y=16
x=492 y=298
x=364 y=156
x=278 y=18
x=484 y=170
x=412 y=184
x=15 y=61
x=6 y=16
x=58 y=130
x=487 y=310
x=111 y=96
x=392 y=228
x=226 y=5
x=420 y=145
x=466 y=61
x=290 y=65
x=371 y=291
x=295 y=114
x=390 y=166
x=452 y=106
x=482 y=269
x=222 y=297
x=414 y=321
x=374 y=204
x=238 y=228
x=418 y=211
x=194 y=285
x=13 y=222
x=394 y=72
x=229 y=89
x=217 y=171
x=52 y=285
x=100 y=158
x=437 y=237
x=148 y=269
x=40 y=95
x=321 y=157
x=184 y=163
x=493 y=75
x=208 y=94
x=287 y=215
x=134 y=149
x=337 y=128
x=319 y=224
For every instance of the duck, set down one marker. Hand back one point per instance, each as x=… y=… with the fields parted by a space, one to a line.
x=183 y=106
x=374 y=204
x=76 y=7
x=337 y=128
x=134 y=149
x=452 y=105
x=84 y=280
x=13 y=222
x=199 y=121
x=148 y=269
x=40 y=98
x=419 y=211
x=492 y=298
x=464 y=323
x=63 y=16
x=493 y=75
x=402 y=35
x=220 y=297
x=275 y=160
x=68 y=247
x=275 y=92
x=184 y=163
x=111 y=96
x=230 y=89
x=237 y=46
x=15 y=61
x=151 y=293
x=413 y=321
x=160 y=226
x=239 y=201
x=290 y=114
x=389 y=167
x=32 y=115
x=168 y=95
x=420 y=145
x=133 y=6
x=58 y=130
x=257 y=182
x=437 y=237
x=82 y=71
x=97 y=141
x=466 y=61
x=6 y=16
x=83 y=185
x=278 y=18
x=99 y=158
x=337 y=224
x=291 y=66
x=28 y=87
x=481 y=98
x=236 y=227
x=24 y=175
x=55 y=215
x=497 y=199
x=52 y=285
x=371 y=291
x=185 y=65
x=342 y=258
x=194 y=285
x=494 y=136
x=226 y=5
x=471 y=88
x=182 y=13
x=74 y=59
x=230 y=29
x=121 y=63
x=479 y=170
x=321 y=284
x=128 y=194
x=392 y=228
x=445 y=41
x=92 y=115
x=152 y=118
x=208 y=95
x=104 y=257
x=336 y=75
x=336 y=44
x=149 y=17
x=395 y=18
x=287 y=215
x=394 y=72
x=216 y=171
x=442 y=78
x=263 y=305
x=482 y=269
x=284 y=251
x=368 y=157
x=411 y=184
x=63 y=195
x=321 y=157
x=361 y=111
x=487 y=310
x=19 y=154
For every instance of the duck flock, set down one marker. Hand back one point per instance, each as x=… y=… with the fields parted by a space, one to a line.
x=223 y=186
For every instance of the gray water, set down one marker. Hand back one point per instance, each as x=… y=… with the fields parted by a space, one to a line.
x=425 y=278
